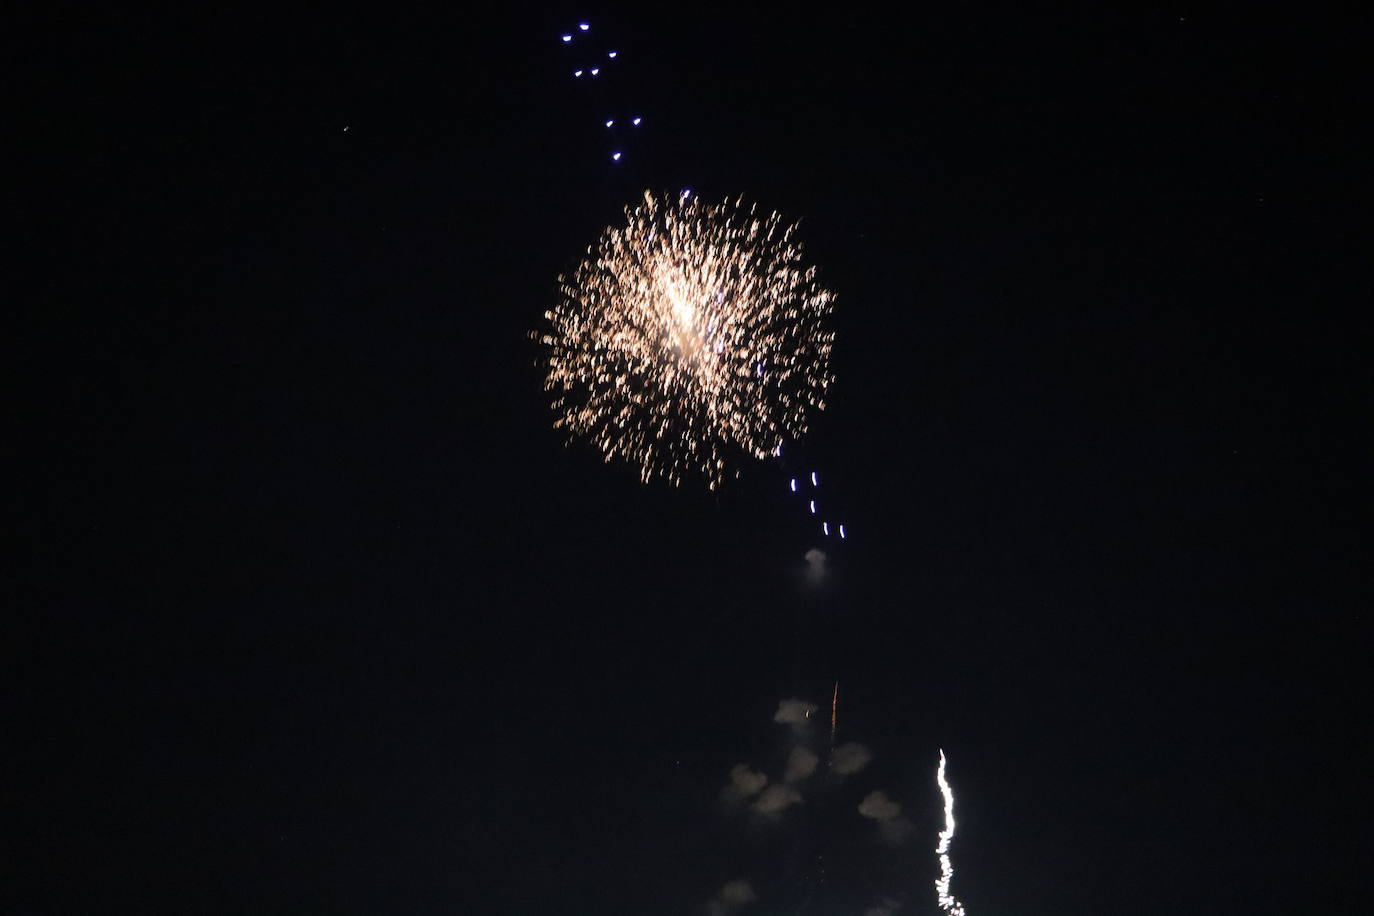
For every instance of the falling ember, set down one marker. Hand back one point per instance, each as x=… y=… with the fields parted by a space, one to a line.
x=947 y=901
x=688 y=339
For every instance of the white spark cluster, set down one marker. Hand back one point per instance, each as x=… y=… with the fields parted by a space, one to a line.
x=689 y=338
x=947 y=901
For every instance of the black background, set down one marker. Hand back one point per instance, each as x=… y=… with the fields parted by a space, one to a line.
x=315 y=613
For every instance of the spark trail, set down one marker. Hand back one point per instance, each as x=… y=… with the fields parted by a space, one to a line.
x=947 y=901
x=834 y=715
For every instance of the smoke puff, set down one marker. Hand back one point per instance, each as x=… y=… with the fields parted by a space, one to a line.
x=800 y=764
x=775 y=799
x=737 y=893
x=744 y=783
x=794 y=712
x=815 y=566
x=879 y=807
x=850 y=758
x=895 y=830
x=732 y=896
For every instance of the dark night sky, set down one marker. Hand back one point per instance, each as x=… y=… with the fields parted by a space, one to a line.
x=315 y=613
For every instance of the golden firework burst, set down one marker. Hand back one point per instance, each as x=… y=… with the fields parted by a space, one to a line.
x=688 y=338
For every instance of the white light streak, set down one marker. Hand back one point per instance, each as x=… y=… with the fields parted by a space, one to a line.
x=794 y=484
x=825 y=526
x=813 y=478
x=577 y=73
x=595 y=70
x=615 y=157
x=947 y=902
x=609 y=123
x=583 y=26
x=567 y=38
x=612 y=55
x=842 y=532
x=813 y=507
x=635 y=122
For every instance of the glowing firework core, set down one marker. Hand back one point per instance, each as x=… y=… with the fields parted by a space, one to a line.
x=689 y=337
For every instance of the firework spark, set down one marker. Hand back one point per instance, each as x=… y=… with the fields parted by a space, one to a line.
x=834 y=715
x=947 y=901
x=689 y=338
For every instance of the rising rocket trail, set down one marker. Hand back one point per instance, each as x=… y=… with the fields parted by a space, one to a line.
x=947 y=902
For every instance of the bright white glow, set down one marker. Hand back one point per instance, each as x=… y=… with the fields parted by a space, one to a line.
x=825 y=526
x=609 y=123
x=635 y=122
x=613 y=54
x=595 y=70
x=583 y=26
x=842 y=532
x=577 y=73
x=615 y=156
x=947 y=902
x=813 y=478
x=794 y=484
x=813 y=507
x=567 y=38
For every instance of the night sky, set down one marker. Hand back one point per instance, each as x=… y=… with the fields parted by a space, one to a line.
x=311 y=610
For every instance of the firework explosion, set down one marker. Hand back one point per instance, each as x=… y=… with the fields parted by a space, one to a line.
x=689 y=338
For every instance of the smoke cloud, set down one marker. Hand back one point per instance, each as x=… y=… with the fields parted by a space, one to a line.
x=850 y=758
x=744 y=783
x=775 y=799
x=815 y=566
x=794 y=712
x=800 y=764
x=891 y=825
x=896 y=830
x=879 y=807
x=732 y=896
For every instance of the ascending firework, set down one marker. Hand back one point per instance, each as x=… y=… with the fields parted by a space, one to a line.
x=947 y=901
x=689 y=338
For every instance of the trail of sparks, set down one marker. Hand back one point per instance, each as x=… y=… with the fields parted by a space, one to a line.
x=834 y=713
x=947 y=901
x=688 y=338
